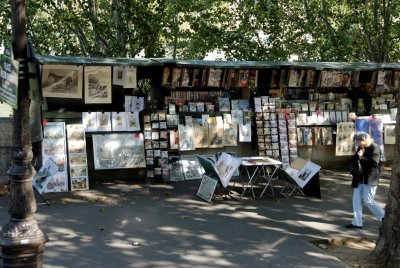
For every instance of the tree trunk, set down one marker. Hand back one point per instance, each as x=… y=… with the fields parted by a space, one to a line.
x=388 y=244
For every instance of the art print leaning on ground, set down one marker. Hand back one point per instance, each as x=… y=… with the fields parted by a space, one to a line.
x=62 y=81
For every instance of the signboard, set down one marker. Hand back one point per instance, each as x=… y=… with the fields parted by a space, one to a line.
x=9 y=80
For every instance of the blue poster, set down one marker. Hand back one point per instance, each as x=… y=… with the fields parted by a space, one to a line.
x=373 y=126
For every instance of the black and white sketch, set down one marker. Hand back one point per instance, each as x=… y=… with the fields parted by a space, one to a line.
x=62 y=81
x=97 y=84
x=103 y=121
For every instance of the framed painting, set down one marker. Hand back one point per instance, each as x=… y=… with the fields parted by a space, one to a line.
x=175 y=169
x=132 y=121
x=118 y=121
x=245 y=132
x=216 y=133
x=97 y=84
x=62 y=81
x=207 y=188
x=122 y=150
x=103 y=121
x=54 y=131
x=79 y=183
x=191 y=167
x=89 y=121
x=75 y=132
x=201 y=139
x=57 y=183
x=186 y=138
x=230 y=134
x=118 y=75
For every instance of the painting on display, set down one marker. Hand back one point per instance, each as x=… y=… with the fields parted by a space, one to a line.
x=62 y=81
x=89 y=121
x=132 y=121
x=174 y=140
x=77 y=157
x=373 y=126
x=216 y=135
x=201 y=139
x=46 y=172
x=97 y=84
x=122 y=150
x=191 y=167
x=103 y=121
x=175 y=169
x=345 y=139
x=245 y=132
x=118 y=121
x=207 y=188
x=186 y=138
x=230 y=134
x=390 y=134
x=118 y=75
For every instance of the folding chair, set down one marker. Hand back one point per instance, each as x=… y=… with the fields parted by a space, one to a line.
x=290 y=186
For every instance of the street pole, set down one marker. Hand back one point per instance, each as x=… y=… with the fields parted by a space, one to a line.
x=21 y=240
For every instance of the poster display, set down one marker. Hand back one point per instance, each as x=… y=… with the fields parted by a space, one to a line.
x=122 y=150
x=54 y=148
x=77 y=157
x=207 y=188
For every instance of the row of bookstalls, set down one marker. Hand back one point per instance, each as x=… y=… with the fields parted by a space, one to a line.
x=148 y=118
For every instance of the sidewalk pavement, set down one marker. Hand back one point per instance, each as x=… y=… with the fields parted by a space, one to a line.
x=139 y=224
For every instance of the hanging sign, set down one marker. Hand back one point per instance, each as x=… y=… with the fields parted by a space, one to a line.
x=9 y=78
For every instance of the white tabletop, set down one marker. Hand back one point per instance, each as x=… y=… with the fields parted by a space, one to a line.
x=259 y=161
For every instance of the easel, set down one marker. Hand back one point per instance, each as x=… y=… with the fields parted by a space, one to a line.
x=210 y=171
x=290 y=187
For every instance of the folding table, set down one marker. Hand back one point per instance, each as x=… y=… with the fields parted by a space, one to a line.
x=263 y=168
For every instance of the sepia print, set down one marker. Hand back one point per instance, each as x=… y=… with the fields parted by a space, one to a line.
x=103 y=121
x=97 y=84
x=118 y=121
x=75 y=132
x=62 y=81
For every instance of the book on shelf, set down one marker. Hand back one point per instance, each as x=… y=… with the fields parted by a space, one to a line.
x=176 y=76
x=214 y=77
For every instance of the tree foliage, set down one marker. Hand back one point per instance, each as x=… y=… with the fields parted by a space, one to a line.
x=314 y=30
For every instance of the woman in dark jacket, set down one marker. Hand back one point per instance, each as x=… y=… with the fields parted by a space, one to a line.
x=369 y=154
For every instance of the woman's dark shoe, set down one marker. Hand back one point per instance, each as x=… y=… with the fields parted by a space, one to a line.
x=350 y=225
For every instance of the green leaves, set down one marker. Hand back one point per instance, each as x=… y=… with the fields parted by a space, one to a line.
x=323 y=30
